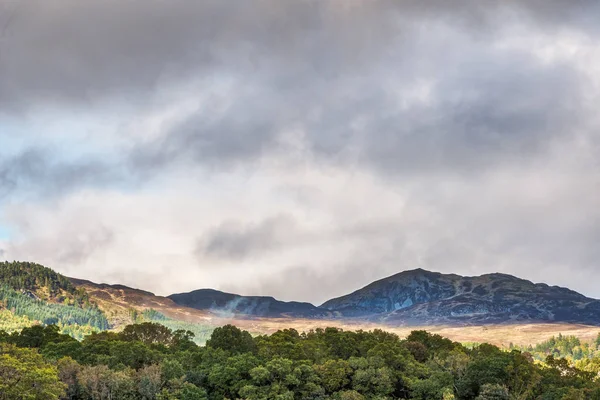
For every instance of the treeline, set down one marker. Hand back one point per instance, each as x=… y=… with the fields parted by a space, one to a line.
x=150 y=361
x=21 y=304
x=201 y=332
x=569 y=347
x=26 y=276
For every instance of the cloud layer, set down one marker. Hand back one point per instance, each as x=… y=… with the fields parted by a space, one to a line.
x=300 y=150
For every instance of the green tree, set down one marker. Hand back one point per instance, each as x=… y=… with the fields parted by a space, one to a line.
x=25 y=375
x=228 y=377
x=489 y=365
x=150 y=381
x=38 y=336
x=68 y=372
x=434 y=343
x=493 y=392
x=149 y=333
x=232 y=339
x=523 y=378
x=348 y=395
x=335 y=375
x=101 y=383
x=371 y=377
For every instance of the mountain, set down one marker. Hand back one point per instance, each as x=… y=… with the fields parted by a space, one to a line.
x=31 y=294
x=256 y=306
x=419 y=296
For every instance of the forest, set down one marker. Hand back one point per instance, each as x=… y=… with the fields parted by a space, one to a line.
x=41 y=281
x=33 y=294
x=150 y=361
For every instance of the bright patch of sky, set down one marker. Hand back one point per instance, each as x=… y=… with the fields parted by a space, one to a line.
x=69 y=133
x=4 y=233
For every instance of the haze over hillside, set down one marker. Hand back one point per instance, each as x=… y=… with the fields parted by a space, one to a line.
x=422 y=297
x=409 y=298
x=258 y=306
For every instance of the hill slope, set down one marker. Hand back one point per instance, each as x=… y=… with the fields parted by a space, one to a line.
x=122 y=304
x=31 y=293
x=41 y=282
x=419 y=296
x=257 y=306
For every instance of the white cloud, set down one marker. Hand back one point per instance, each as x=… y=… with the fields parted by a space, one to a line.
x=300 y=150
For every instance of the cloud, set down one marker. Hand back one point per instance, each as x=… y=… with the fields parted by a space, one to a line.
x=232 y=241
x=91 y=51
x=39 y=171
x=346 y=229
x=244 y=146
x=84 y=52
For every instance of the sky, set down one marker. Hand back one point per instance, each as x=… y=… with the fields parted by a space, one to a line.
x=300 y=149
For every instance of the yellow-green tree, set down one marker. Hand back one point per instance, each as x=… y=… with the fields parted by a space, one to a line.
x=25 y=375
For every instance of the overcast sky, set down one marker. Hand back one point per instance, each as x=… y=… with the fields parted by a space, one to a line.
x=300 y=149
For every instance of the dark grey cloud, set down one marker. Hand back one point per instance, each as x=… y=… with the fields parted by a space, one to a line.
x=86 y=51
x=232 y=241
x=220 y=141
x=335 y=70
x=41 y=172
x=493 y=108
x=83 y=51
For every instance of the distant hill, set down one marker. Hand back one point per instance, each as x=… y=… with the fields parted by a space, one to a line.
x=419 y=296
x=31 y=293
x=122 y=303
x=41 y=282
x=257 y=306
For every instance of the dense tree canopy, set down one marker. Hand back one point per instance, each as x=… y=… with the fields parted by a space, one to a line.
x=150 y=361
x=24 y=374
x=32 y=277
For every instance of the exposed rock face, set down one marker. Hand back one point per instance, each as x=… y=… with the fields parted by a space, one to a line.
x=420 y=296
x=256 y=306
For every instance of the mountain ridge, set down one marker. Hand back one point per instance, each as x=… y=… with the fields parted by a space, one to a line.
x=410 y=297
x=415 y=296
x=260 y=306
x=418 y=296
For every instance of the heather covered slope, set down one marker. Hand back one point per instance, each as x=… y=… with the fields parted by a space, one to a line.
x=124 y=305
x=419 y=296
